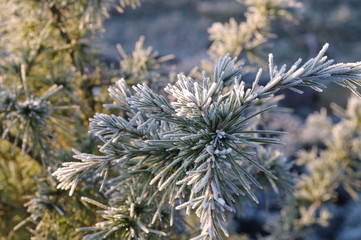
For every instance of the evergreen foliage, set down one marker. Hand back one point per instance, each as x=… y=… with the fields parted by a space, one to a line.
x=161 y=153
x=196 y=147
x=248 y=36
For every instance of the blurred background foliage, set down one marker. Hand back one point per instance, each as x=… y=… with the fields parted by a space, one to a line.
x=86 y=45
x=182 y=28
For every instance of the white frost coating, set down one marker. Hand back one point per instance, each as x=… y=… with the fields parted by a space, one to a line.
x=204 y=180
x=210 y=149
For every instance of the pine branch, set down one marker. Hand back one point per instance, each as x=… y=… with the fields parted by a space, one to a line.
x=197 y=147
x=62 y=29
x=19 y=144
